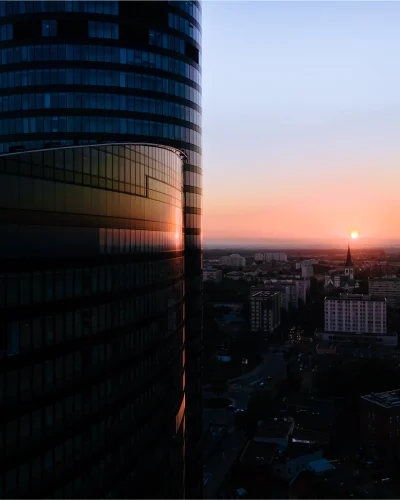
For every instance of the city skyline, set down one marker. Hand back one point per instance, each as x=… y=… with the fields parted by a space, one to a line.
x=300 y=146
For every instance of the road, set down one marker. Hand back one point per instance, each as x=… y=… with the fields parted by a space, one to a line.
x=240 y=391
x=218 y=463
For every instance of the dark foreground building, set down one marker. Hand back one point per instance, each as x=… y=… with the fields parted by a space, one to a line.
x=92 y=323
x=75 y=76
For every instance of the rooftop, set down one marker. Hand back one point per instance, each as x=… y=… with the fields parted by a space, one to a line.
x=263 y=294
x=256 y=453
x=385 y=278
x=310 y=437
x=278 y=428
x=389 y=399
x=321 y=465
x=297 y=449
x=356 y=297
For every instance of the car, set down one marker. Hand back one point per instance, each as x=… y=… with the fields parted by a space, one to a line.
x=262 y=384
x=231 y=408
x=238 y=410
x=269 y=378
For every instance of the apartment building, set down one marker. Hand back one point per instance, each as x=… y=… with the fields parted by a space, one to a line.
x=388 y=287
x=233 y=260
x=380 y=426
x=294 y=289
x=355 y=313
x=270 y=256
x=265 y=310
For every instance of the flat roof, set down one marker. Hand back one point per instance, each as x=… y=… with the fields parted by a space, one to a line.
x=356 y=297
x=275 y=429
x=321 y=465
x=385 y=278
x=263 y=294
x=310 y=437
x=298 y=449
x=388 y=399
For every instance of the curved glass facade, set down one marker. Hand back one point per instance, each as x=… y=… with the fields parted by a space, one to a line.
x=92 y=323
x=89 y=72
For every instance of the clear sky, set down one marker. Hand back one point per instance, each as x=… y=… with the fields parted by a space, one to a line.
x=301 y=120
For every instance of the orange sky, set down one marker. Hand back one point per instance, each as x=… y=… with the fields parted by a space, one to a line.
x=317 y=209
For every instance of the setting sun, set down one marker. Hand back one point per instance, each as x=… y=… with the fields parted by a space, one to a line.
x=355 y=234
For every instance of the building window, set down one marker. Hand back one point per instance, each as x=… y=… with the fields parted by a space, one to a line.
x=13 y=339
x=98 y=29
x=49 y=27
x=6 y=32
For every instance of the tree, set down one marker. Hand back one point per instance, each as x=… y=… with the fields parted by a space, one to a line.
x=258 y=408
x=357 y=377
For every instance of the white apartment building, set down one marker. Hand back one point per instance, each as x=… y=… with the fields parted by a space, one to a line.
x=388 y=286
x=233 y=260
x=278 y=256
x=269 y=256
x=293 y=289
x=265 y=310
x=306 y=263
x=210 y=274
x=355 y=313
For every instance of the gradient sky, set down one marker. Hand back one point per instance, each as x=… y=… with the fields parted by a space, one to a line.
x=301 y=120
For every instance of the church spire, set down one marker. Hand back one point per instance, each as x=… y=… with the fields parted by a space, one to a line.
x=349 y=262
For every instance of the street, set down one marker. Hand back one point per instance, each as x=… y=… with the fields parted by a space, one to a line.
x=218 y=463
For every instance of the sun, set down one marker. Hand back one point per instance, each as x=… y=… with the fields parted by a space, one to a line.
x=355 y=234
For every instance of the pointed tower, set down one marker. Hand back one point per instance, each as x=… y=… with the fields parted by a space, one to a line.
x=349 y=266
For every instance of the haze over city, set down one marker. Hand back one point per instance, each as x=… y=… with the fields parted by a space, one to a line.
x=301 y=146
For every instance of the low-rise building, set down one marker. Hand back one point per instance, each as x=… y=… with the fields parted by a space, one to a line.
x=276 y=431
x=389 y=341
x=295 y=460
x=211 y=274
x=265 y=310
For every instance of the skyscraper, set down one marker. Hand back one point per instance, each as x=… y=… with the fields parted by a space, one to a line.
x=100 y=280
